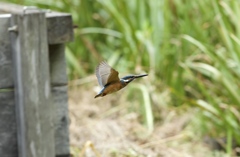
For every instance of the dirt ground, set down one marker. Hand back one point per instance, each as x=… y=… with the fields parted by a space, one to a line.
x=111 y=127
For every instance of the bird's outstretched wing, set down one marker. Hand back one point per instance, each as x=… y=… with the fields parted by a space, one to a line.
x=106 y=74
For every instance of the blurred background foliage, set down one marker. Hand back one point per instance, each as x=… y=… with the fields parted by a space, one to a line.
x=189 y=48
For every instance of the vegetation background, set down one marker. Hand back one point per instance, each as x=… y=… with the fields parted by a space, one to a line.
x=191 y=50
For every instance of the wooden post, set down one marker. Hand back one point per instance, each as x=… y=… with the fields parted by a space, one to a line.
x=37 y=60
x=32 y=85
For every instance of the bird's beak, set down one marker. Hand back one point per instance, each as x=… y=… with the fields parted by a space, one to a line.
x=138 y=76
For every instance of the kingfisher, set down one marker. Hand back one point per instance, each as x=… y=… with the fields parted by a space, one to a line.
x=109 y=81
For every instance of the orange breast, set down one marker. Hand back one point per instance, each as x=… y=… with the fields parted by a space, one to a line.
x=112 y=88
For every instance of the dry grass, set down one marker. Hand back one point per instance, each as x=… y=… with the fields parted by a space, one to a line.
x=113 y=128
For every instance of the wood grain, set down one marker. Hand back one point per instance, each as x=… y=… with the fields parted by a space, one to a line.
x=32 y=86
x=8 y=131
x=6 y=70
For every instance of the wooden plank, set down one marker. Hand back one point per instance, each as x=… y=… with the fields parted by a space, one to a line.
x=59 y=25
x=61 y=120
x=8 y=132
x=60 y=28
x=58 y=73
x=6 y=72
x=32 y=86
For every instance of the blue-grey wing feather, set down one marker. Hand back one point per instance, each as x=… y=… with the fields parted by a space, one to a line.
x=106 y=74
x=102 y=72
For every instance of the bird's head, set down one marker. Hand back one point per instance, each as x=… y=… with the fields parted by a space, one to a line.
x=127 y=79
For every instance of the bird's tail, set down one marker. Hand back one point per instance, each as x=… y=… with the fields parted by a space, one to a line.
x=97 y=95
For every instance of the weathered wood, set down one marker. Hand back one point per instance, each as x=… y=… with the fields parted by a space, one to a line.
x=32 y=86
x=34 y=106
x=8 y=133
x=61 y=120
x=60 y=28
x=59 y=97
x=59 y=25
x=58 y=73
x=6 y=74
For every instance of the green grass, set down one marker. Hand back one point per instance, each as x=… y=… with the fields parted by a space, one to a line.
x=211 y=64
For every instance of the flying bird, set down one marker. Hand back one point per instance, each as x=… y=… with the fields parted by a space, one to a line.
x=109 y=81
